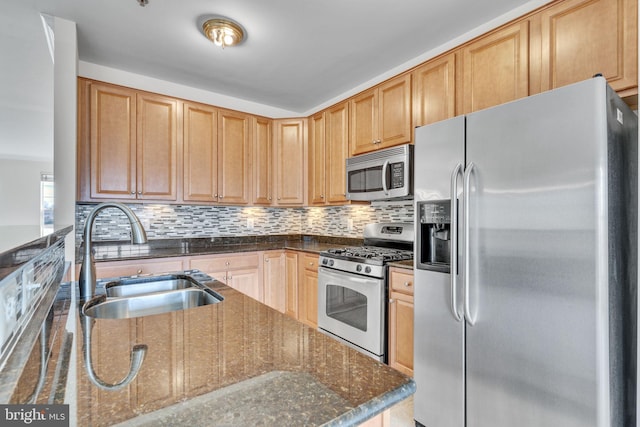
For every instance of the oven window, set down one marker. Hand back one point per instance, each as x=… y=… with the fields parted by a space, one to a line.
x=347 y=306
x=368 y=179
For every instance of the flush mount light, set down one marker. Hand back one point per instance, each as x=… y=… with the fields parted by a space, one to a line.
x=223 y=32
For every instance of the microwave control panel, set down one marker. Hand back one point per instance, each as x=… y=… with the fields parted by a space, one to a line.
x=397 y=175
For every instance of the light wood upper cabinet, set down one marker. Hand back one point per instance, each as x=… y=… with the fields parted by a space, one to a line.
x=434 y=90
x=381 y=116
x=217 y=148
x=112 y=133
x=234 y=154
x=262 y=161
x=133 y=144
x=157 y=136
x=317 y=159
x=290 y=140
x=200 y=144
x=580 y=38
x=132 y=140
x=496 y=68
x=336 y=152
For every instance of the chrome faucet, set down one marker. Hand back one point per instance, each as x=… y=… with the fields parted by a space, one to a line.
x=87 y=281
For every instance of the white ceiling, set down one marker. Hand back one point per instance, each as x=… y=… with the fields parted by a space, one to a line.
x=298 y=57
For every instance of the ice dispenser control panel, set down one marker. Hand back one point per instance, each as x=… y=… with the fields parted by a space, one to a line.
x=435 y=212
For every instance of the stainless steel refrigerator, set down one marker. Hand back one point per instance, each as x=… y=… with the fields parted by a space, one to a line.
x=526 y=263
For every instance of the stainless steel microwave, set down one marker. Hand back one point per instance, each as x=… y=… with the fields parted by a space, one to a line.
x=381 y=175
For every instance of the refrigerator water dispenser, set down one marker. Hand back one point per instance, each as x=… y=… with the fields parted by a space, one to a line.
x=434 y=235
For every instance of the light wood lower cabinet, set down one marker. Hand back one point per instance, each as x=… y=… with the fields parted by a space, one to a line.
x=308 y=289
x=273 y=277
x=401 y=320
x=239 y=271
x=291 y=283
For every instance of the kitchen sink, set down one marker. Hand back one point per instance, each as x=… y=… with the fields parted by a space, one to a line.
x=149 y=303
x=145 y=285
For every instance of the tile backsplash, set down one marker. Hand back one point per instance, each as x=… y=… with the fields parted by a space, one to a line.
x=188 y=221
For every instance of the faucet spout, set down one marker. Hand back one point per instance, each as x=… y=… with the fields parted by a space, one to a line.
x=87 y=281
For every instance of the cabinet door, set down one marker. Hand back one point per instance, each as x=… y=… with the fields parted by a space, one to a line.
x=156 y=142
x=496 y=68
x=234 y=151
x=401 y=333
x=273 y=274
x=308 y=287
x=247 y=281
x=583 y=37
x=434 y=94
x=262 y=161
x=364 y=122
x=337 y=151
x=290 y=167
x=317 y=159
x=394 y=114
x=112 y=142
x=200 y=150
x=291 y=282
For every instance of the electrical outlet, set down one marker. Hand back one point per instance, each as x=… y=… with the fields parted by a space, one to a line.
x=349 y=224
x=250 y=223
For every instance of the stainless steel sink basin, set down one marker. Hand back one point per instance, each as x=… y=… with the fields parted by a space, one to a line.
x=149 y=303
x=145 y=285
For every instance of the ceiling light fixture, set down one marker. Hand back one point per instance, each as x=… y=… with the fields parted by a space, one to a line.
x=223 y=32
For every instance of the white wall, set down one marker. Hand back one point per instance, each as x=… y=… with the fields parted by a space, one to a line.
x=65 y=105
x=20 y=190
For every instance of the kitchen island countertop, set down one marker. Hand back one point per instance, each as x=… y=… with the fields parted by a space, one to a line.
x=234 y=363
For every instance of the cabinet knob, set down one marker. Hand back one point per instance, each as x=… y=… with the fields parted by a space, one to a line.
x=407 y=284
x=310 y=263
x=140 y=192
x=391 y=301
x=227 y=263
x=278 y=198
x=221 y=196
x=139 y=271
x=269 y=197
x=215 y=195
x=133 y=192
x=322 y=196
x=266 y=260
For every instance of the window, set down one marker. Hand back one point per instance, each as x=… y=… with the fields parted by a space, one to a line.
x=46 y=202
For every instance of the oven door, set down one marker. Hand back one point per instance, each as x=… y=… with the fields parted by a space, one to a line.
x=352 y=307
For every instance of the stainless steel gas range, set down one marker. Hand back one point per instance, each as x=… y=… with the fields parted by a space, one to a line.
x=352 y=287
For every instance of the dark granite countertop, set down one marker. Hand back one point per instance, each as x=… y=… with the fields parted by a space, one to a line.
x=235 y=363
x=161 y=248
x=19 y=244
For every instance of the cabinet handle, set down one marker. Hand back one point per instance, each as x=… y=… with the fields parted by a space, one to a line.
x=407 y=284
x=322 y=196
x=139 y=271
x=133 y=192
x=221 y=196
x=266 y=260
x=278 y=198
x=140 y=193
x=215 y=195
x=311 y=263
x=227 y=263
x=269 y=197
x=391 y=301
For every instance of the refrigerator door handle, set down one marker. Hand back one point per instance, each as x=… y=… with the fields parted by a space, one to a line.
x=457 y=171
x=465 y=194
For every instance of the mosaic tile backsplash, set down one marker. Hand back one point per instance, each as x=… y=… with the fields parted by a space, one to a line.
x=22 y=290
x=189 y=221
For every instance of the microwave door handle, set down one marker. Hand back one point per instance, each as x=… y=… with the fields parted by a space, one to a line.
x=385 y=166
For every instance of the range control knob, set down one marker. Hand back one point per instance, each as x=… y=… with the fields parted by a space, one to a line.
x=331 y=263
x=325 y=261
x=367 y=270
x=358 y=268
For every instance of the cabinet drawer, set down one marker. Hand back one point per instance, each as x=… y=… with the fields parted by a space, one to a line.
x=225 y=262
x=310 y=262
x=131 y=268
x=401 y=280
